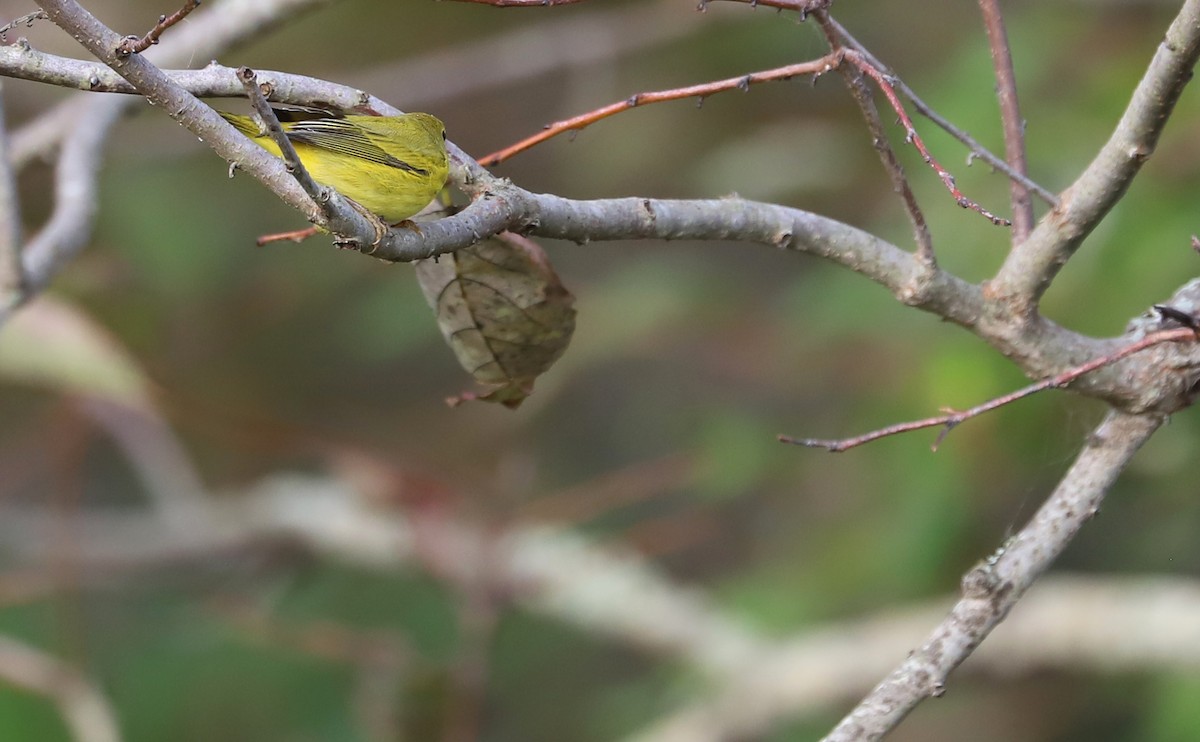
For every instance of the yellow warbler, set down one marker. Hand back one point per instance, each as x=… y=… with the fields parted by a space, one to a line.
x=392 y=166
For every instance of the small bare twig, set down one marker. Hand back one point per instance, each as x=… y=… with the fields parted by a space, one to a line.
x=1010 y=116
x=320 y=194
x=887 y=155
x=923 y=108
x=25 y=20
x=912 y=137
x=702 y=91
x=953 y=418
x=249 y=81
x=135 y=45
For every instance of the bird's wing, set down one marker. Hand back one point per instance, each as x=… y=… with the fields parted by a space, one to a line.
x=343 y=137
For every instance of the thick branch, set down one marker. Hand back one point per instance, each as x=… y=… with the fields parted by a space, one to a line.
x=334 y=214
x=1031 y=266
x=991 y=589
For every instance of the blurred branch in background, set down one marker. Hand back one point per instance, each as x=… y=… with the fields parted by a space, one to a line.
x=1067 y=623
x=12 y=271
x=1010 y=116
x=85 y=711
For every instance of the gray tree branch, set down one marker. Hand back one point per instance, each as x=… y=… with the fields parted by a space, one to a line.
x=1032 y=265
x=991 y=589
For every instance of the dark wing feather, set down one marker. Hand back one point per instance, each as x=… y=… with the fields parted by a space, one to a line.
x=343 y=137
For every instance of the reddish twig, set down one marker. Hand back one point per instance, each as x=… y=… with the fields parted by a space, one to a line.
x=742 y=82
x=1010 y=116
x=135 y=45
x=923 y=108
x=911 y=136
x=887 y=155
x=953 y=418
x=294 y=235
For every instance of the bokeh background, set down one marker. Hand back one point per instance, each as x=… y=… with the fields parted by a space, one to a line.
x=687 y=361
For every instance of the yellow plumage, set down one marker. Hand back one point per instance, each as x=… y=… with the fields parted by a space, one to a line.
x=392 y=166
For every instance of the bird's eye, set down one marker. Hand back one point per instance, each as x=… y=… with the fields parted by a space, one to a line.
x=443 y=135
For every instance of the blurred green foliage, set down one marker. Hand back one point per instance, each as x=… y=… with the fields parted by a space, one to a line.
x=701 y=350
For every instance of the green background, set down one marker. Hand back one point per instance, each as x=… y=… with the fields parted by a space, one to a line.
x=702 y=353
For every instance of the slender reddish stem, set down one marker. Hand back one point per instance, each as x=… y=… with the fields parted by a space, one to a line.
x=1010 y=116
x=953 y=418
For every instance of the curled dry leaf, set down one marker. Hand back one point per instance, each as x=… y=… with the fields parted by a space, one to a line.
x=503 y=311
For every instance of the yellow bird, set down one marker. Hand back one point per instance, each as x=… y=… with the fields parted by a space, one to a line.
x=392 y=166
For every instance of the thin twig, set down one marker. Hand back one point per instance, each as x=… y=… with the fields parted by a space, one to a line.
x=923 y=108
x=1010 y=116
x=320 y=194
x=887 y=155
x=741 y=82
x=25 y=20
x=135 y=45
x=952 y=419
x=350 y=225
x=912 y=137
x=85 y=711
x=12 y=271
